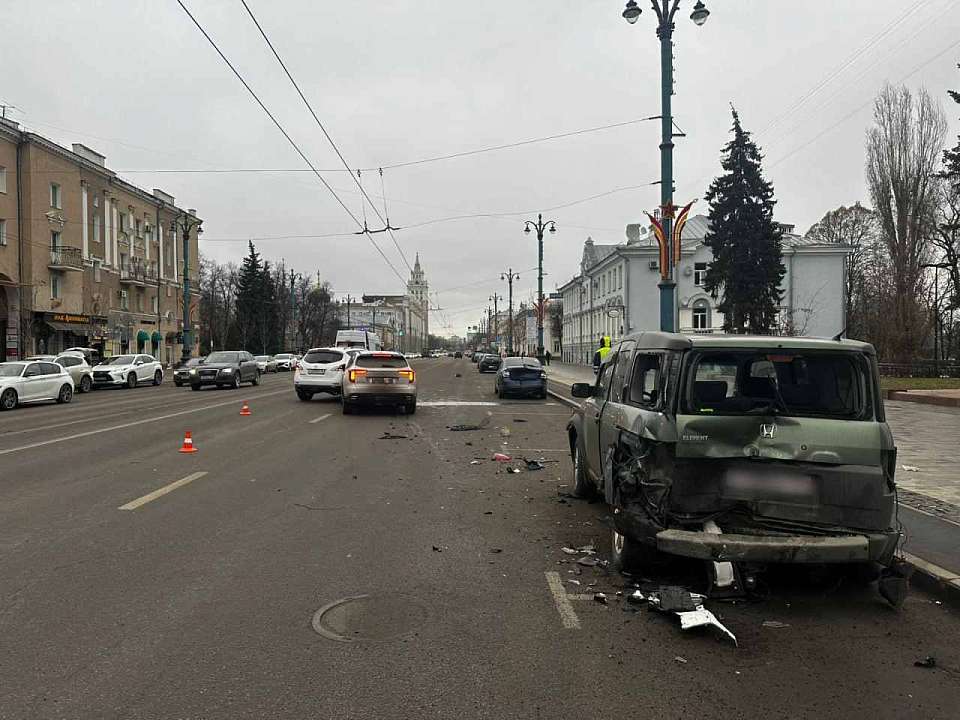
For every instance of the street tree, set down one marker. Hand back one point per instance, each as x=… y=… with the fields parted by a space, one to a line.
x=948 y=216
x=903 y=153
x=747 y=265
x=249 y=300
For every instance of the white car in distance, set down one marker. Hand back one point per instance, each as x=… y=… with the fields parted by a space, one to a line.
x=128 y=371
x=79 y=369
x=25 y=382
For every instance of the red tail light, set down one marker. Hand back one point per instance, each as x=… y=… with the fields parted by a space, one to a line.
x=357 y=372
x=409 y=375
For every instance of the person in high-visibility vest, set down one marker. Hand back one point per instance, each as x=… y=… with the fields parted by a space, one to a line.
x=601 y=354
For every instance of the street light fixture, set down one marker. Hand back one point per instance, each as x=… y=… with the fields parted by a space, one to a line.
x=185 y=222
x=666 y=10
x=540 y=225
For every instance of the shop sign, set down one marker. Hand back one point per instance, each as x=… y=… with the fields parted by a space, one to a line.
x=67 y=318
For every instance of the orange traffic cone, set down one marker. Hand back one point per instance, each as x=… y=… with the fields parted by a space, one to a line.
x=245 y=410
x=188 y=443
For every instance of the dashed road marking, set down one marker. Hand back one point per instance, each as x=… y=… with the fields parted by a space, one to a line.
x=320 y=419
x=568 y=617
x=149 y=497
x=456 y=403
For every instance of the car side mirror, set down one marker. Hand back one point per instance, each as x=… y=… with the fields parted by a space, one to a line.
x=581 y=390
x=342 y=367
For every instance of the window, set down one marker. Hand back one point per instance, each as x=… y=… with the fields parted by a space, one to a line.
x=96 y=271
x=154 y=303
x=620 y=278
x=603 y=284
x=124 y=300
x=701 y=316
x=619 y=381
x=138 y=226
x=699 y=273
x=645 y=384
x=96 y=228
x=54 y=285
x=603 y=381
x=68 y=361
x=49 y=368
x=55 y=241
x=54 y=195
x=139 y=300
x=3 y=232
x=96 y=200
x=3 y=179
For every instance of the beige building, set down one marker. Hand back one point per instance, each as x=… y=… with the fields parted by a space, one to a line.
x=86 y=258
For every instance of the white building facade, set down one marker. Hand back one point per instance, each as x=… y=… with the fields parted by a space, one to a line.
x=616 y=291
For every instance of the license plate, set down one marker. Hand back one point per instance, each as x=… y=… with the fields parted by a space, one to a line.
x=321 y=371
x=386 y=381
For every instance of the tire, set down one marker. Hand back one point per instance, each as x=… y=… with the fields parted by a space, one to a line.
x=304 y=395
x=132 y=380
x=65 y=395
x=256 y=379
x=347 y=408
x=86 y=384
x=178 y=383
x=630 y=556
x=195 y=388
x=412 y=408
x=582 y=487
x=157 y=378
x=235 y=383
x=9 y=400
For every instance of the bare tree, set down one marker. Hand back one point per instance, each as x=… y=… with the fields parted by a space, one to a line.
x=903 y=152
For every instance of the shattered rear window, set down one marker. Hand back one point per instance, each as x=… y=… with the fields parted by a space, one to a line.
x=801 y=384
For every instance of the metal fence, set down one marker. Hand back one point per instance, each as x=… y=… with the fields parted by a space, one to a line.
x=921 y=369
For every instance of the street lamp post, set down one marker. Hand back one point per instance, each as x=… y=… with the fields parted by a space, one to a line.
x=665 y=10
x=540 y=225
x=186 y=222
x=510 y=276
x=495 y=299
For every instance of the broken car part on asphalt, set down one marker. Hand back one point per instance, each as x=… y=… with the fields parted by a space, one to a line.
x=687 y=606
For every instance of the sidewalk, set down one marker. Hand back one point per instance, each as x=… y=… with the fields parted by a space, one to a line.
x=927 y=442
x=943 y=398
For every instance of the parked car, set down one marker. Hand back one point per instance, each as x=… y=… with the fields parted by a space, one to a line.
x=285 y=361
x=266 y=364
x=79 y=369
x=41 y=358
x=225 y=368
x=739 y=449
x=521 y=376
x=128 y=371
x=380 y=379
x=458 y=354
x=91 y=355
x=26 y=382
x=488 y=363
x=181 y=375
x=321 y=371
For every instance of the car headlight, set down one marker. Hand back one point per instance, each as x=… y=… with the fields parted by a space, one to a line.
x=504 y=373
x=193 y=371
x=543 y=374
x=226 y=370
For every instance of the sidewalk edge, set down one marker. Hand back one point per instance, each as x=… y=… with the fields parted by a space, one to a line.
x=933 y=578
x=906 y=396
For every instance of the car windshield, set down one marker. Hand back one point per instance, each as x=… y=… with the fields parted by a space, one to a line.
x=11 y=369
x=120 y=360
x=785 y=382
x=322 y=357
x=223 y=357
x=381 y=361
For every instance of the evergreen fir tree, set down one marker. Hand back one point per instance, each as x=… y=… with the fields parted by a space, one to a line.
x=249 y=300
x=951 y=158
x=747 y=264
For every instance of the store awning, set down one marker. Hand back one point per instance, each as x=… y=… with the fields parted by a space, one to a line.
x=143 y=336
x=75 y=328
x=156 y=337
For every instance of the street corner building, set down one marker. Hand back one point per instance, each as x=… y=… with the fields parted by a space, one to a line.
x=86 y=258
x=615 y=292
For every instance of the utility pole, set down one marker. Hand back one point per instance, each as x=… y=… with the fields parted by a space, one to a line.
x=510 y=276
x=496 y=319
x=539 y=226
x=186 y=222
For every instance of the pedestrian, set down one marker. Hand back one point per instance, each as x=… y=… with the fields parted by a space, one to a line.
x=547 y=356
x=601 y=354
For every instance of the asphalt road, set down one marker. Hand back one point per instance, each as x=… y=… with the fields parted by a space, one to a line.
x=202 y=602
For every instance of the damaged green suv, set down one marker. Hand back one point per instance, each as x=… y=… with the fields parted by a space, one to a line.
x=737 y=449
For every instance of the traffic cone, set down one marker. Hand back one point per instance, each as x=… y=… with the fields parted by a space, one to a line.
x=188 y=443
x=245 y=410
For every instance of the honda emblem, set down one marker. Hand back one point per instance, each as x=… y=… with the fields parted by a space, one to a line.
x=768 y=431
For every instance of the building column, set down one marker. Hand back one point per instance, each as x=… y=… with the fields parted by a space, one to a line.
x=160 y=251
x=84 y=230
x=107 y=246
x=114 y=219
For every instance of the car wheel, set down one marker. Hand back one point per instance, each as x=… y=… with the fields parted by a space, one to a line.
x=66 y=394
x=132 y=380
x=630 y=556
x=86 y=384
x=412 y=408
x=157 y=378
x=195 y=387
x=347 y=408
x=582 y=487
x=8 y=401
x=235 y=385
x=256 y=379
x=178 y=383
x=305 y=396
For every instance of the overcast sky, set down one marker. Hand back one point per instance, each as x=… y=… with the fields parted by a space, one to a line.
x=395 y=81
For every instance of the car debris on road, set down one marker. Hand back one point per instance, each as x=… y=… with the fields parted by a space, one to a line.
x=688 y=607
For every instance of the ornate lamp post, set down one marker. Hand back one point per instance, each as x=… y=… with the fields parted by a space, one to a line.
x=510 y=276
x=540 y=225
x=186 y=222
x=665 y=10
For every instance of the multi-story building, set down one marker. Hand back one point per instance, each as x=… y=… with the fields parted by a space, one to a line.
x=616 y=293
x=87 y=258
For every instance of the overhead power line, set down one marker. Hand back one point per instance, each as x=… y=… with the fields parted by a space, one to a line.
x=287 y=136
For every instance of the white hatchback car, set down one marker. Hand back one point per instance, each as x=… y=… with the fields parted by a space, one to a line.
x=128 y=371
x=320 y=371
x=23 y=382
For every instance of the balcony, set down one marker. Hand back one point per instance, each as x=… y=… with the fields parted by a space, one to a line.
x=138 y=273
x=700 y=331
x=66 y=258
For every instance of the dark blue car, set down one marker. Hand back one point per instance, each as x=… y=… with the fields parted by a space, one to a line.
x=521 y=376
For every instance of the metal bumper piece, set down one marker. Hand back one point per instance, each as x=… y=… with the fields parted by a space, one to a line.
x=778 y=549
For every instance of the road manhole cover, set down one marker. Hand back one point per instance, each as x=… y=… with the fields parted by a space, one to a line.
x=369 y=617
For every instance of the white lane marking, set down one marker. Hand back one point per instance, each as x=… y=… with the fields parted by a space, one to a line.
x=568 y=617
x=88 y=433
x=455 y=403
x=134 y=504
x=319 y=419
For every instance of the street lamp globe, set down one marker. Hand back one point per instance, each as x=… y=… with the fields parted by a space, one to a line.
x=631 y=13
x=526 y=229
x=553 y=228
x=699 y=14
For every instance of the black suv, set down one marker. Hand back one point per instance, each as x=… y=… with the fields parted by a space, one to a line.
x=226 y=369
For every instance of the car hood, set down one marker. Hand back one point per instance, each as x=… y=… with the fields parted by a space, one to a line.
x=216 y=366
x=113 y=368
